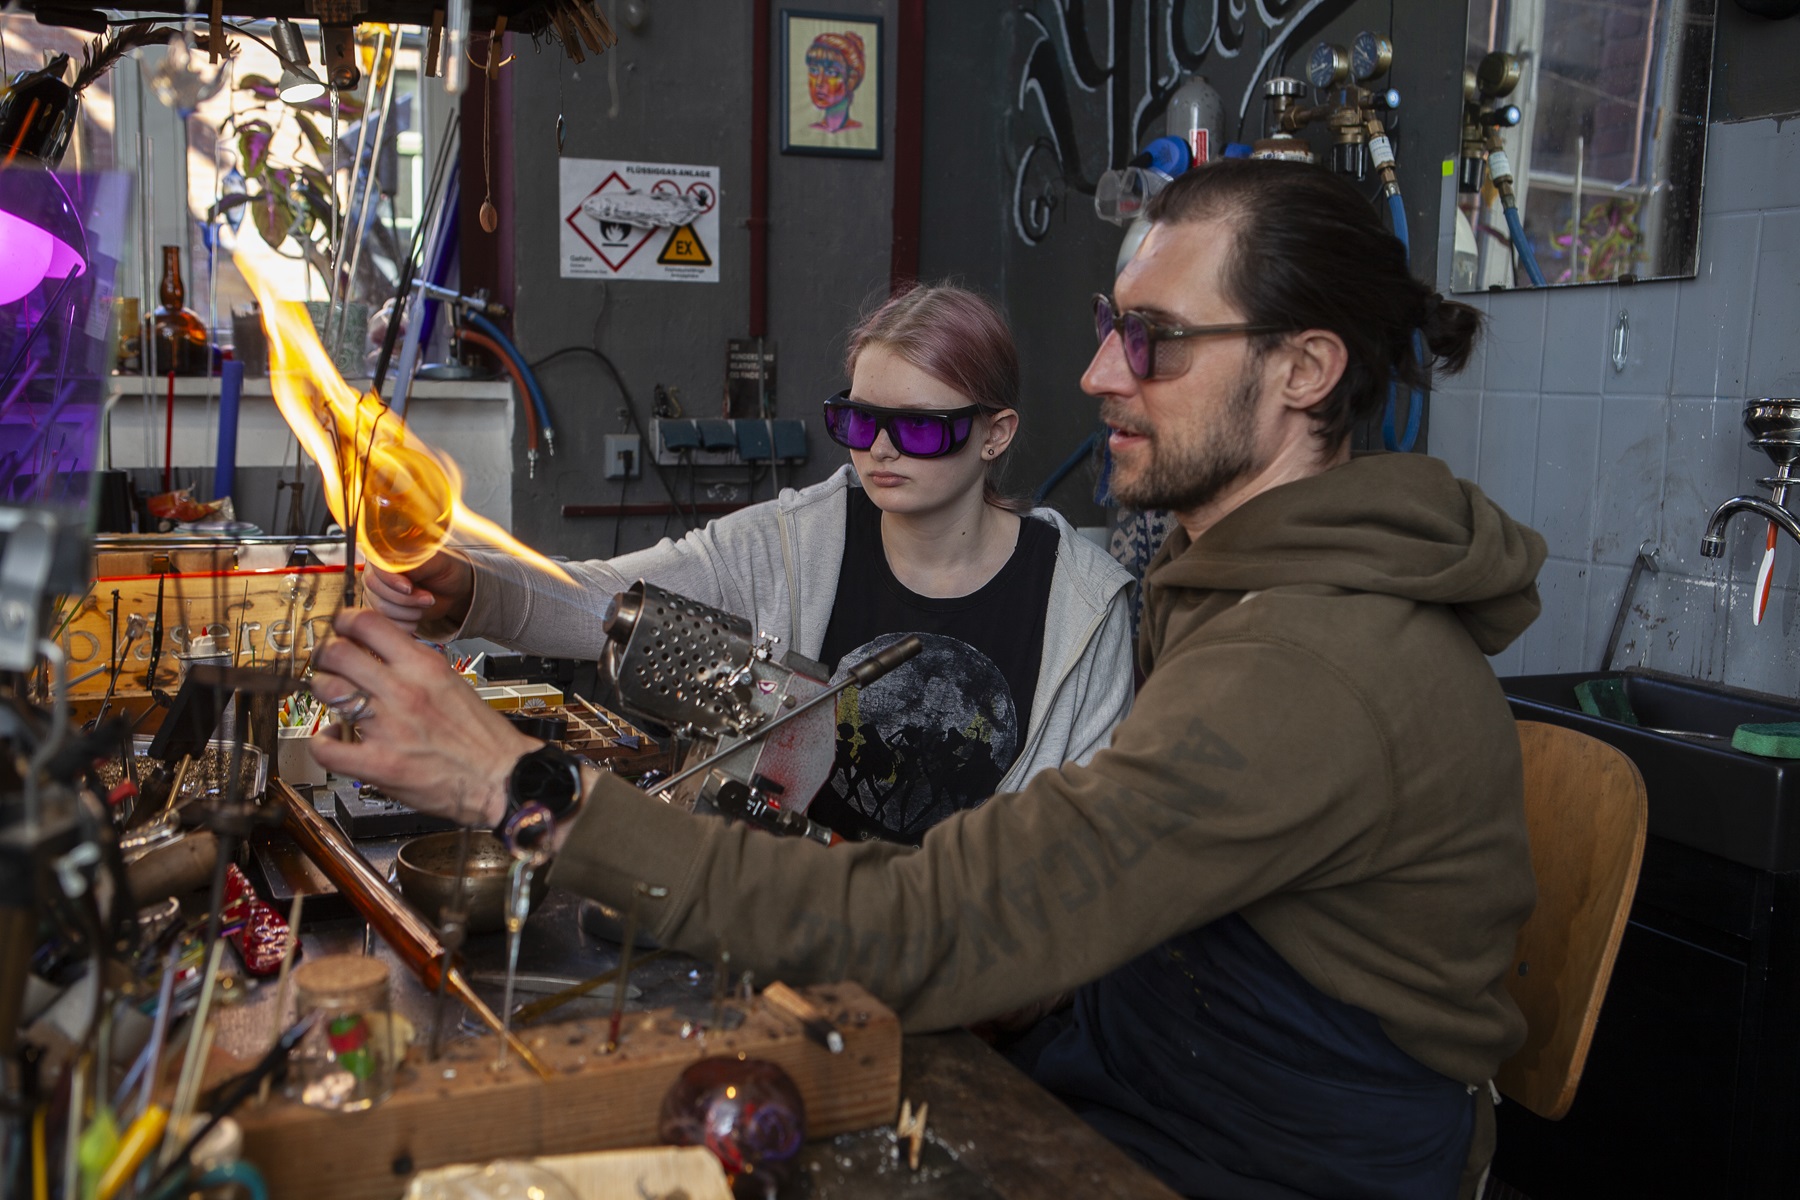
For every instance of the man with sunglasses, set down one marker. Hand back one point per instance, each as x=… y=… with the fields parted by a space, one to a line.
x=1287 y=894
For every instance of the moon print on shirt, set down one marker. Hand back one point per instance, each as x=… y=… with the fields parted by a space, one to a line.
x=932 y=737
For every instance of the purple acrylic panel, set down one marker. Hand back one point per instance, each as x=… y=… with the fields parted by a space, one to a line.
x=56 y=352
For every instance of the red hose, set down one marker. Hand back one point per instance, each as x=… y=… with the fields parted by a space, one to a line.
x=484 y=342
x=909 y=142
x=759 y=170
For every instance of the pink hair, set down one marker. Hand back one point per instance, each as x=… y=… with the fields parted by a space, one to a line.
x=957 y=337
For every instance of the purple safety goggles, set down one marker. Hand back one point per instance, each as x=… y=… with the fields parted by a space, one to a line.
x=914 y=432
x=1139 y=335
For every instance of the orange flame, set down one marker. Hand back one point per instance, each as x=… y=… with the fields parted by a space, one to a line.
x=407 y=496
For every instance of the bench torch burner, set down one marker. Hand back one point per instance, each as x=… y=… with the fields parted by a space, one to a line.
x=760 y=730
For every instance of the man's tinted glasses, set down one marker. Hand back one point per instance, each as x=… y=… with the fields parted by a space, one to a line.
x=914 y=432
x=1138 y=334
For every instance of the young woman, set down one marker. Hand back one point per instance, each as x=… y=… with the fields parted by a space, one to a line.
x=1026 y=625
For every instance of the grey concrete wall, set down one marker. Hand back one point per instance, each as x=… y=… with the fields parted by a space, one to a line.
x=1602 y=460
x=684 y=96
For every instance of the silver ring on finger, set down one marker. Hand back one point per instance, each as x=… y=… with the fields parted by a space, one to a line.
x=352 y=708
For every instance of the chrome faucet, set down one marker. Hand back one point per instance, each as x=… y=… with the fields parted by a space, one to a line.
x=1774 y=427
x=1713 y=544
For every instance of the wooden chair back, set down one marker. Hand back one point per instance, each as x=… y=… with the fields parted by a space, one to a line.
x=1586 y=815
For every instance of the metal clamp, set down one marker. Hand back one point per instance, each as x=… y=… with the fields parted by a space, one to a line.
x=24 y=574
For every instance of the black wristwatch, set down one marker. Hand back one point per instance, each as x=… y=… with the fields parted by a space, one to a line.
x=549 y=777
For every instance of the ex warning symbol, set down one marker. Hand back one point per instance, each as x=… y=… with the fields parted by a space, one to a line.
x=684 y=250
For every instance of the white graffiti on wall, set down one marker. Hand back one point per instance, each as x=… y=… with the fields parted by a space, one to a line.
x=1131 y=56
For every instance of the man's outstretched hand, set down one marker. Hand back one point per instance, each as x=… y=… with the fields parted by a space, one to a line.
x=426 y=738
x=440 y=590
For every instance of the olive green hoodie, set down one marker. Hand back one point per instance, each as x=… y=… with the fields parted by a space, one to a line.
x=1320 y=745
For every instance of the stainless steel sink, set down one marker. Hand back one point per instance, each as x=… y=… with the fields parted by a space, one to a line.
x=1702 y=793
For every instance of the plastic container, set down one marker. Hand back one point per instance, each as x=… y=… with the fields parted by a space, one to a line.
x=294 y=761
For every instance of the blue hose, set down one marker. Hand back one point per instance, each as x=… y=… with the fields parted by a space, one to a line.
x=1081 y=455
x=1397 y=215
x=482 y=325
x=1390 y=437
x=1522 y=247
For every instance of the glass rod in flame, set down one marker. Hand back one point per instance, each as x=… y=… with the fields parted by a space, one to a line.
x=407 y=497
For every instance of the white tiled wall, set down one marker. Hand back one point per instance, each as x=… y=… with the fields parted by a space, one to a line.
x=1601 y=461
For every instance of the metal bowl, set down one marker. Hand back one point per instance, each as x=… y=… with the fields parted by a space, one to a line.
x=426 y=869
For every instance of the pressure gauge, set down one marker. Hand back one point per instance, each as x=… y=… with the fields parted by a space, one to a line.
x=1328 y=66
x=1497 y=74
x=1370 y=56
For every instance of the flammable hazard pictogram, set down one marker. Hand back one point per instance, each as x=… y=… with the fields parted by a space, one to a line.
x=684 y=250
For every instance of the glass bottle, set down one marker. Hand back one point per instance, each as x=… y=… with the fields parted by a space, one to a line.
x=180 y=336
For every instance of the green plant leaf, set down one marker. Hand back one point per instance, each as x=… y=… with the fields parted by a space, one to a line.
x=253 y=146
x=225 y=205
x=260 y=88
x=321 y=145
x=273 y=214
x=313 y=178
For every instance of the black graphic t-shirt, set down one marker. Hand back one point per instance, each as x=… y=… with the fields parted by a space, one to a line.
x=937 y=734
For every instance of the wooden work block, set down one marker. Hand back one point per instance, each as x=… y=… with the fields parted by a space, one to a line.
x=459 y=1109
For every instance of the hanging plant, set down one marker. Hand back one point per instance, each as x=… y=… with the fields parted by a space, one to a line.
x=290 y=202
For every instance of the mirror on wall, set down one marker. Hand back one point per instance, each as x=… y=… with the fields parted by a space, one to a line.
x=1584 y=138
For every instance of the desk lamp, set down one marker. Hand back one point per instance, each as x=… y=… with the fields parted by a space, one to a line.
x=40 y=236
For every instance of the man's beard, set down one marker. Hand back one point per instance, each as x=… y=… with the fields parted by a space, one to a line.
x=1183 y=478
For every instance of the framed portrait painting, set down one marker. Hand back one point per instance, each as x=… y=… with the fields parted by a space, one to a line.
x=830 y=84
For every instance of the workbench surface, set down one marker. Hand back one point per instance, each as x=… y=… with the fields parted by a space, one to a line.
x=991 y=1132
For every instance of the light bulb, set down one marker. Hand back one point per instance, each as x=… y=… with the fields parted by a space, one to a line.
x=25 y=252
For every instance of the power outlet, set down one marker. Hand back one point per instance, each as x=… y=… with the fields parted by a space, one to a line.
x=624 y=456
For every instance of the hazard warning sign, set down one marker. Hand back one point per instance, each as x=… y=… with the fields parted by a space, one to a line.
x=684 y=249
x=630 y=220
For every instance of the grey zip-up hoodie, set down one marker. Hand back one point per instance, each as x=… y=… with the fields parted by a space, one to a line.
x=776 y=564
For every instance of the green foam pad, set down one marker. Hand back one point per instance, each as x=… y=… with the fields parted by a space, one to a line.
x=1769 y=741
x=1605 y=698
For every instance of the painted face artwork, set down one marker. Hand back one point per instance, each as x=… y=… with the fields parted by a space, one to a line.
x=834 y=68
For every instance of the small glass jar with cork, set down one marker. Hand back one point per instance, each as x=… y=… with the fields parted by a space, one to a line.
x=348 y=1058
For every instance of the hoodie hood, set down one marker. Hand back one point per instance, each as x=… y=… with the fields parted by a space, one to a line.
x=1393 y=524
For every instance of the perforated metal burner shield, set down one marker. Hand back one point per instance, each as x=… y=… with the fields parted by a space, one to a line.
x=679 y=659
x=697 y=669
